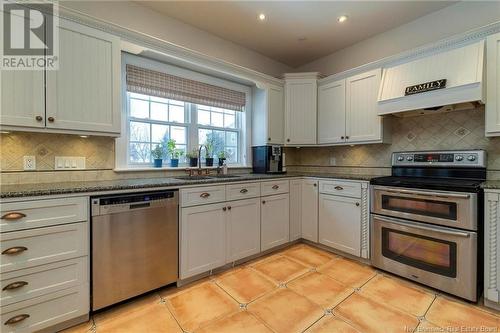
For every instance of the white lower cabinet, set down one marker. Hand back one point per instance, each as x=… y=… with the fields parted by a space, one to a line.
x=295 y=209
x=243 y=229
x=309 y=211
x=275 y=221
x=203 y=239
x=340 y=223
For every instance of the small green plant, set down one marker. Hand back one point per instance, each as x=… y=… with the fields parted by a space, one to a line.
x=192 y=154
x=210 y=149
x=221 y=154
x=173 y=151
x=158 y=152
x=177 y=154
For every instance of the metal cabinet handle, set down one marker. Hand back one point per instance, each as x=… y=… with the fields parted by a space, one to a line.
x=38 y=118
x=15 y=285
x=15 y=250
x=275 y=187
x=51 y=119
x=342 y=137
x=263 y=202
x=287 y=140
x=268 y=139
x=243 y=190
x=315 y=184
x=12 y=216
x=17 y=319
x=357 y=204
x=338 y=188
x=228 y=207
x=204 y=195
x=346 y=137
x=224 y=208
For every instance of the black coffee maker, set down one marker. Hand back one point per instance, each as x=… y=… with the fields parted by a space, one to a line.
x=267 y=159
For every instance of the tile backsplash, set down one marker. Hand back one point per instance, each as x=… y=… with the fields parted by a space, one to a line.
x=99 y=152
x=453 y=130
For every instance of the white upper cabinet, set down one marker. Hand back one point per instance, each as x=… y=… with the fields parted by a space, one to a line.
x=331 y=112
x=348 y=110
x=84 y=93
x=268 y=116
x=493 y=85
x=300 y=108
x=363 y=124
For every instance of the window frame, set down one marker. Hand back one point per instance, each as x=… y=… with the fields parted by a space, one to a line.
x=122 y=149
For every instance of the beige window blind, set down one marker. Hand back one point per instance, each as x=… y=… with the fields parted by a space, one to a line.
x=154 y=83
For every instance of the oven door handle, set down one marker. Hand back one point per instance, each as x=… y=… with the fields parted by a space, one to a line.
x=424 y=193
x=421 y=227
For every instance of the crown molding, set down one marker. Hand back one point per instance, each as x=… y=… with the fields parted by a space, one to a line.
x=177 y=53
x=454 y=41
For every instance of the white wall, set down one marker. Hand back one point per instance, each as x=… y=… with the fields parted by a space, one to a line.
x=142 y=19
x=449 y=21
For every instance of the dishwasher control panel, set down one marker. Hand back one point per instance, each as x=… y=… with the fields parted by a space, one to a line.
x=126 y=202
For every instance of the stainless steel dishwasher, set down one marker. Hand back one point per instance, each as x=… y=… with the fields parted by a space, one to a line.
x=134 y=245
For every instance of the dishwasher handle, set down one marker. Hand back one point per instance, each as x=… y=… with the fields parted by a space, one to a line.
x=127 y=202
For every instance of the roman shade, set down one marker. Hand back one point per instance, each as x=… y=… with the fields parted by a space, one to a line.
x=149 y=82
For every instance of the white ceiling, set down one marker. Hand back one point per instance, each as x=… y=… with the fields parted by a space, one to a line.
x=281 y=35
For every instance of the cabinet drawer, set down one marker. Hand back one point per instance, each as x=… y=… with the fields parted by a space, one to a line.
x=242 y=191
x=339 y=187
x=274 y=187
x=46 y=311
x=42 y=213
x=34 y=247
x=33 y=282
x=202 y=195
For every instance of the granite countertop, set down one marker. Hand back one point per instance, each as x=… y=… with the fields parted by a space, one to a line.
x=40 y=189
x=491 y=184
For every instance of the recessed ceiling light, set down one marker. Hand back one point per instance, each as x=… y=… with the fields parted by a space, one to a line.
x=262 y=16
x=342 y=18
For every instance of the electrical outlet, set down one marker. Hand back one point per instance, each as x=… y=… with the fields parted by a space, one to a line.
x=29 y=163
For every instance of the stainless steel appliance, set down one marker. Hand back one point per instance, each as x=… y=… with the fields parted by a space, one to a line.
x=134 y=245
x=267 y=159
x=426 y=219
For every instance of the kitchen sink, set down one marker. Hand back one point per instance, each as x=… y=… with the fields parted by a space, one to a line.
x=224 y=176
x=193 y=177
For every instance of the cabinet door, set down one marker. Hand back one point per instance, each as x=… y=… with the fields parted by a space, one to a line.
x=243 y=229
x=22 y=100
x=84 y=93
x=275 y=222
x=362 y=122
x=276 y=115
x=203 y=239
x=493 y=85
x=300 y=111
x=309 y=211
x=340 y=223
x=295 y=209
x=331 y=112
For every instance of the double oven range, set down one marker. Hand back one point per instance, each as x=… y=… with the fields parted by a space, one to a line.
x=426 y=219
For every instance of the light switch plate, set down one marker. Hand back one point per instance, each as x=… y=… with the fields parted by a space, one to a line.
x=29 y=163
x=69 y=163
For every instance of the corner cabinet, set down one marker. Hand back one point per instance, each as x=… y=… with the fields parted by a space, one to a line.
x=493 y=85
x=268 y=115
x=348 y=110
x=81 y=97
x=301 y=91
x=492 y=249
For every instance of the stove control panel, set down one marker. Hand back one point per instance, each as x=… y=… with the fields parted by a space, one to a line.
x=466 y=158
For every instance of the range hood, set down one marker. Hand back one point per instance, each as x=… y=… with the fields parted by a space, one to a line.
x=442 y=82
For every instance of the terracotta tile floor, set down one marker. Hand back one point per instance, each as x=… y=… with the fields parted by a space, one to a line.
x=299 y=289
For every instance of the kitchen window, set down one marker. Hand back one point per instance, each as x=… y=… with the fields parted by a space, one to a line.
x=151 y=120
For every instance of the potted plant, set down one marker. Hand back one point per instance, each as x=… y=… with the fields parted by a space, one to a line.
x=193 y=158
x=222 y=157
x=174 y=153
x=157 y=154
x=209 y=155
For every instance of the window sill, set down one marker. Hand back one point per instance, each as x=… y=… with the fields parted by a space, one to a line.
x=168 y=168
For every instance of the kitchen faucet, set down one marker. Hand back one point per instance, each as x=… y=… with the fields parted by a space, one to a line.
x=199 y=156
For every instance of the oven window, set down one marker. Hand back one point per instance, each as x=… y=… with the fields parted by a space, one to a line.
x=427 y=253
x=432 y=208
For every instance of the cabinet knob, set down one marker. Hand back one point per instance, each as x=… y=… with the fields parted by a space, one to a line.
x=287 y=140
x=347 y=137
x=39 y=118
x=243 y=190
x=204 y=195
x=315 y=184
x=275 y=187
x=338 y=188
x=16 y=319
x=224 y=208
x=15 y=285
x=12 y=216
x=228 y=207
x=342 y=137
x=263 y=202
x=268 y=139
x=51 y=119
x=357 y=203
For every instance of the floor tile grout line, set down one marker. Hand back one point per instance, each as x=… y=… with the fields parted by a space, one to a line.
x=308 y=327
x=173 y=316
